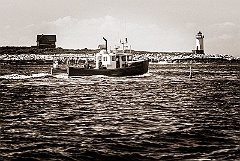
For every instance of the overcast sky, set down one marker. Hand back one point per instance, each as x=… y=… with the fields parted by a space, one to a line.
x=150 y=25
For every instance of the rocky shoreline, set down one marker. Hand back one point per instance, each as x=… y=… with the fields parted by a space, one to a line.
x=31 y=56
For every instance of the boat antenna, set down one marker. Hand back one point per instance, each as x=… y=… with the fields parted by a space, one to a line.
x=106 y=42
x=123 y=43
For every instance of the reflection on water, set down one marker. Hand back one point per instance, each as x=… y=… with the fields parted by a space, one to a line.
x=162 y=115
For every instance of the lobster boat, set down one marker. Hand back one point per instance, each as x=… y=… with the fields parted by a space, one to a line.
x=112 y=63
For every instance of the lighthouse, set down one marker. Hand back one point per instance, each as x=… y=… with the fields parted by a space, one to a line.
x=199 y=43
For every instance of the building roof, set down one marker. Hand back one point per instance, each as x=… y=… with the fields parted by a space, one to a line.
x=50 y=38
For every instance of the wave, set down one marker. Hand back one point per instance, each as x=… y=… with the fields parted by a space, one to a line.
x=39 y=75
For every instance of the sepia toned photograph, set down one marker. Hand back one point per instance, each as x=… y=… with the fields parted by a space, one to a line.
x=127 y=80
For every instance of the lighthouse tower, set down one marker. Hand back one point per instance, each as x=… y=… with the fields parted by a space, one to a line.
x=199 y=43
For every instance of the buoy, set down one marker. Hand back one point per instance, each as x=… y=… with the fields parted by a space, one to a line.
x=190 y=73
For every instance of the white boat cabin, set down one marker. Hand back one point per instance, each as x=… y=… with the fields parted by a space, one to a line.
x=112 y=60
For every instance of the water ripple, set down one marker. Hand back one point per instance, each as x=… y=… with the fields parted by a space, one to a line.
x=161 y=116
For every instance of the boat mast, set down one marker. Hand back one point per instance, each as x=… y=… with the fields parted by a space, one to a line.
x=124 y=43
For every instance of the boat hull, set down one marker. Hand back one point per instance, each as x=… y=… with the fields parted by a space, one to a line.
x=55 y=71
x=136 y=68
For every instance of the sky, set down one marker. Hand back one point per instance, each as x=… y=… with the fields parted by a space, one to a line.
x=149 y=25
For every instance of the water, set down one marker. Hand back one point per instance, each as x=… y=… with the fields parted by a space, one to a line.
x=162 y=115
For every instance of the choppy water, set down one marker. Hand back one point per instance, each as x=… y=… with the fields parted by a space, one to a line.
x=162 y=115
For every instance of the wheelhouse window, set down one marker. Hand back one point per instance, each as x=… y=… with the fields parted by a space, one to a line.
x=113 y=58
x=129 y=58
x=123 y=58
x=104 y=58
